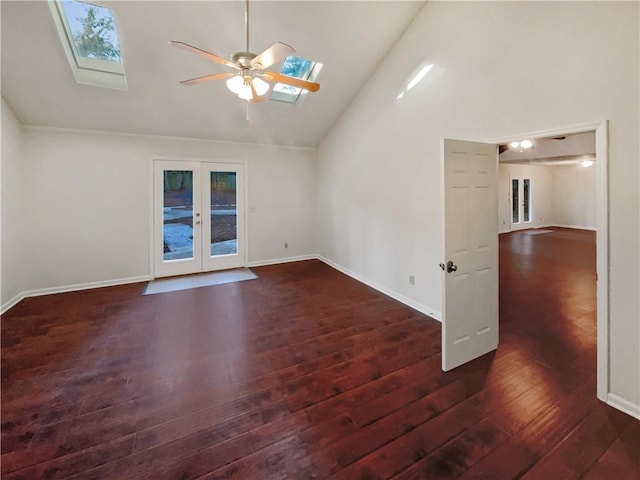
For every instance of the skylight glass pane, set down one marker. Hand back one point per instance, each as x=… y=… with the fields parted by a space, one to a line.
x=93 y=30
x=294 y=67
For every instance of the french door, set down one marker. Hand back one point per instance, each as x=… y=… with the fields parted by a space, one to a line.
x=521 y=216
x=198 y=217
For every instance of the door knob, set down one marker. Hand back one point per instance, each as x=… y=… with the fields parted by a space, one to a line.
x=449 y=267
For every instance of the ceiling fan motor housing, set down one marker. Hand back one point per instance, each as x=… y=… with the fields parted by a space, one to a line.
x=244 y=59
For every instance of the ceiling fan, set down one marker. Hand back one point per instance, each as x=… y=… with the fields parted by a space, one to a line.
x=248 y=82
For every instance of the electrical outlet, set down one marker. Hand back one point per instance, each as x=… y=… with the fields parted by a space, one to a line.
x=412 y=280
x=286 y=245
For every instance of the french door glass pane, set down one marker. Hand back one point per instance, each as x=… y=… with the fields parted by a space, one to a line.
x=224 y=214
x=515 y=201
x=177 y=231
x=526 y=201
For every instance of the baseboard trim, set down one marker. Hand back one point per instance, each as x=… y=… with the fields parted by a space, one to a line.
x=623 y=405
x=539 y=227
x=11 y=303
x=258 y=263
x=387 y=291
x=73 y=288
x=276 y=261
x=575 y=227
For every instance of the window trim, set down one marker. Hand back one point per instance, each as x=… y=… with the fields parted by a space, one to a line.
x=88 y=71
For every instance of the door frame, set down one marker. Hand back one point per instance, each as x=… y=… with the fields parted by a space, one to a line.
x=601 y=130
x=242 y=163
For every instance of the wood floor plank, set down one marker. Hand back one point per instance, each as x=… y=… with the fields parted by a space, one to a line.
x=456 y=456
x=306 y=373
x=621 y=460
x=572 y=457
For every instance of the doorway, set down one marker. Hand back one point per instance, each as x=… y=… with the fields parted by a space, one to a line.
x=198 y=217
x=602 y=239
x=600 y=164
x=520 y=194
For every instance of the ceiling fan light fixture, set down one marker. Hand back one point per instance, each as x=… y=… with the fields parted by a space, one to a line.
x=245 y=92
x=235 y=84
x=244 y=82
x=261 y=86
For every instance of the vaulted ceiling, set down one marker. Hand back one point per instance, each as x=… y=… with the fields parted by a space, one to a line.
x=349 y=38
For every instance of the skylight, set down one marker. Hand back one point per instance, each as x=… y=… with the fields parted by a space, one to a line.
x=295 y=67
x=90 y=39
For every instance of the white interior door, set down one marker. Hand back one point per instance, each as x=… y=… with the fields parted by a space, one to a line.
x=521 y=204
x=470 y=304
x=198 y=217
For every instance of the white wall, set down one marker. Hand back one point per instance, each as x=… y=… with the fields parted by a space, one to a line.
x=87 y=198
x=14 y=215
x=541 y=194
x=574 y=196
x=501 y=69
x=562 y=195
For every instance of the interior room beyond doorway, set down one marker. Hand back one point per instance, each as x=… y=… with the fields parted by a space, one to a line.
x=552 y=182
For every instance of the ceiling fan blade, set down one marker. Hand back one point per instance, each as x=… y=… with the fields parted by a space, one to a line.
x=256 y=98
x=293 y=81
x=276 y=52
x=206 y=78
x=208 y=55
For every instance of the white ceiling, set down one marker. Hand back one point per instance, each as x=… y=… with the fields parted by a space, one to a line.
x=349 y=38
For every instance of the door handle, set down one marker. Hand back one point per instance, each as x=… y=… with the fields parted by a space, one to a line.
x=449 y=267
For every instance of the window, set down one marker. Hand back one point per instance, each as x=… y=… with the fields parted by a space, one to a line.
x=90 y=39
x=295 y=67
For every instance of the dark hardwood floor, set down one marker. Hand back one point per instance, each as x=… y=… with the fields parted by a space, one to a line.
x=306 y=374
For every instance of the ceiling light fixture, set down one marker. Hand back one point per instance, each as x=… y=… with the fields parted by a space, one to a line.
x=586 y=163
x=524 y=145
x=243 y=86
x=245 y=82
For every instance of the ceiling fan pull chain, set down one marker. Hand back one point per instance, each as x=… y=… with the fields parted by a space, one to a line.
x=248 y=111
